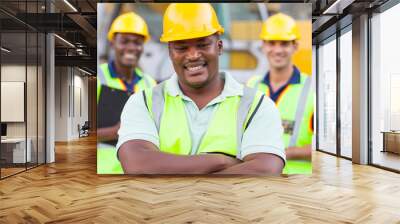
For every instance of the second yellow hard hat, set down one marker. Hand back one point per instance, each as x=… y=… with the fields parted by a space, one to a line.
x=129 y=23
x=280 y=27
x=184 y=21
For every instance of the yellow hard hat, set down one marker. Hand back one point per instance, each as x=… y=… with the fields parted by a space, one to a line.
x=129 y=23
x=184 y=21
x=280 y=27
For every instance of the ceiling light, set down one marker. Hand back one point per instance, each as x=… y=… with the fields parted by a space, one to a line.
x=65 y=41
x=5 y=49
x=329 y=9
x=84 y=71
x=338 y=6
x=70 y=5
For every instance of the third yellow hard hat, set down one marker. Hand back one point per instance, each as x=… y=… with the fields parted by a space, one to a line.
x=129 y=23
x=184 y=21
x=280 y=27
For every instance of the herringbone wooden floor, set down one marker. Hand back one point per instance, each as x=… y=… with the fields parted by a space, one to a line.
x=70 y=191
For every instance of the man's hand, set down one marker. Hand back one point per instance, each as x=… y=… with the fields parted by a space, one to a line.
x=143 y=157
x=257 y=164
x=228 y=160
x=299 y=153
x=108 y=133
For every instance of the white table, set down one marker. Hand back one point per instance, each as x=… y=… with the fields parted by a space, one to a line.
x=19 y=155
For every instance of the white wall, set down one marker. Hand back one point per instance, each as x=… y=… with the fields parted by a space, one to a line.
x=33 y=126
x=71 y=94
x=80 y=115
x=12 y=73
x=61 y=103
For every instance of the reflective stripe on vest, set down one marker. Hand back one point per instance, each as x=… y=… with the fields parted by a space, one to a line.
x=225 y=130
x=104 y=78
x=301 y=105
x=294 y=115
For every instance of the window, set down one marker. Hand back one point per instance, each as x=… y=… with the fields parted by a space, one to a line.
x=385 y=89
x=327 y=96
x=346 y=93
x=22 y=75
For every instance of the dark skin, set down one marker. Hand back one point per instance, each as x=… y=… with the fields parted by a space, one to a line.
x=143 y=157
x=128 y=48
x=196 y=63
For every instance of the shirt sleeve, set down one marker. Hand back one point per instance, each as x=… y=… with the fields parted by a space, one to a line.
x=265 y=132
x=136 y=122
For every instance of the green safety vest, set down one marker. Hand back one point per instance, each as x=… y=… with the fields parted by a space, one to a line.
x=225 y=131
x=104 y=78
x=107 y=162
x=296 y=107
x=296 y=103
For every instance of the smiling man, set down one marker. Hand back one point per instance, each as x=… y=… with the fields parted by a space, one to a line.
x=127 y=36
x=289 y=89
x=201 y=120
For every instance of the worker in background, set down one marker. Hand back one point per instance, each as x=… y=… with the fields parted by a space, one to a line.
x=200 y=120
x=289 y=88
x=127 y=35
x=116 y=81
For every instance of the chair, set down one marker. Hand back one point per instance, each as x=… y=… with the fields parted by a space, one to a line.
x=84 y=130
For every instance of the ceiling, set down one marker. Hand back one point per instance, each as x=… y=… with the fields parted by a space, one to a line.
x=331 y=15
x=72 y=20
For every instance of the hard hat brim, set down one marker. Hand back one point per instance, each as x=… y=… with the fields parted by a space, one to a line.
x=279 y=38
x=188 y=36
x=111 y=35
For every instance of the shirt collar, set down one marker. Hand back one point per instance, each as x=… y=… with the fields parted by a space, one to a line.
x=231 y=87
x=294 y=79
x=113 y=73
x=111 y=67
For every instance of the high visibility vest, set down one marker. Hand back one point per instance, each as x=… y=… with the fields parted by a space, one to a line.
x=225 y=130
x=296 y=107
x=106 y=154
x=104 y=78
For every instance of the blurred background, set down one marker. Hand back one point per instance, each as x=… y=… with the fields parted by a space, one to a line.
x=242 y=55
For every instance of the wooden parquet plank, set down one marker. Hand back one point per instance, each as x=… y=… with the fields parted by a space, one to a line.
x=70 y=191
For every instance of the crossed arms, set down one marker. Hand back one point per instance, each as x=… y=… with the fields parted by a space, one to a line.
x=143 y=157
